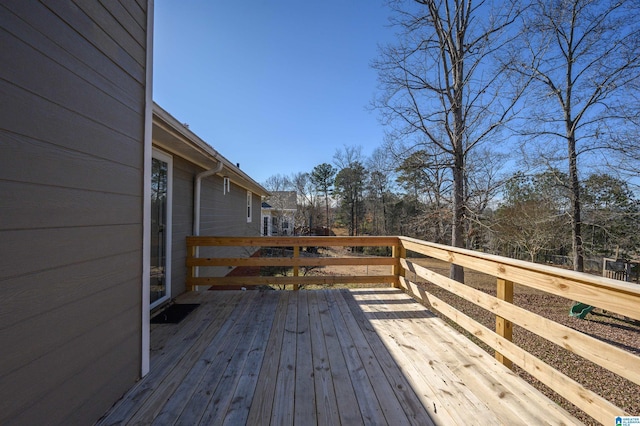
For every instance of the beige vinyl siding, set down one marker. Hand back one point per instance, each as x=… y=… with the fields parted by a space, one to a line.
x=224 y=215
x=256 y=221
x=221 y=214
x=182 y=220
x=72 y=83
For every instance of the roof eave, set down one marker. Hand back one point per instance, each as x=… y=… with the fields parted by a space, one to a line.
x=183 y=142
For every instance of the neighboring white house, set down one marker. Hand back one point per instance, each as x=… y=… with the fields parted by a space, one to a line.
x=278 y=214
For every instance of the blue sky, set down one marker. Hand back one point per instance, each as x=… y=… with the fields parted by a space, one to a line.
x=276 y=86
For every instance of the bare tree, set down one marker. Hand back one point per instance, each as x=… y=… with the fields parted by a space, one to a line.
x=426 y=177
x=347 y=156
x=349 y=186
x=583 y=57
x=381 y=172
x=322 y=177
x=277 y=182
x=307 y=198
x=438 y=82
x=484 y=180
x=530 y=216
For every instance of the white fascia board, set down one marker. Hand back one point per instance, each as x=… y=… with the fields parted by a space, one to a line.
x=201 y=153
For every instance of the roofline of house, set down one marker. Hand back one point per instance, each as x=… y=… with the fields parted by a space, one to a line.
x=201 y=153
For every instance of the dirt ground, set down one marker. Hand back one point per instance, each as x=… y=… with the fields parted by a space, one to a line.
x=606 y=326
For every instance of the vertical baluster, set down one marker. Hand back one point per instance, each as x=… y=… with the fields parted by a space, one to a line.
x=296 y=271
x=504 y=327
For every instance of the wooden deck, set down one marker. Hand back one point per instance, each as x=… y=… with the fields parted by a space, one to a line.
x=365 y=356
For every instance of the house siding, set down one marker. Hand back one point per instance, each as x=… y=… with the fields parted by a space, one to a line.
x=182 y=220
x=221 y=215
x=72 y=82
x=226 y=215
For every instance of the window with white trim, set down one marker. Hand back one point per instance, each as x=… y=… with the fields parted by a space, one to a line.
x=226 y=185
x=249 y=197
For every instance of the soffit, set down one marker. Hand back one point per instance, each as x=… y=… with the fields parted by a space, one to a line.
x=172 y=136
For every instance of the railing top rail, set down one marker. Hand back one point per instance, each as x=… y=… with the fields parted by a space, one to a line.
x=303 y=241
x=552 y=271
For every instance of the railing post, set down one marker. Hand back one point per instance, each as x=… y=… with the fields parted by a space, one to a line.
x=191 y=271
x=398 y=252
x=296 y=270
x=504 y=328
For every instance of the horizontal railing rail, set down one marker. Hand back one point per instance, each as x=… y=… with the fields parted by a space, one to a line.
x=295 y=261
x=615 y=296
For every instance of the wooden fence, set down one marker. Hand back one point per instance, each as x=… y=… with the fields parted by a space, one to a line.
x=614 y=296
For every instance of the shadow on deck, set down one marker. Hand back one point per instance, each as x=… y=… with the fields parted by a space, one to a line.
x=329 y=357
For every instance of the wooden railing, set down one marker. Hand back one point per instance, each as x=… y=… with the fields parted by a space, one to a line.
x=614 y=296
x=295 y=261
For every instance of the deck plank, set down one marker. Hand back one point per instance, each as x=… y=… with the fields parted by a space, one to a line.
x=183 y=393
x=389 y=384
x=243 y=396
x=365 y=395
x=348 y=409
x=283 y=404
x=177 y=348
x=446 y=395
x=363 y=356
x=305 y=396
x=409 y=402
x=498 y=393
x=262 y=403
x=325 y=395
x=510 y=398
x=245 y=358
x=221 y=370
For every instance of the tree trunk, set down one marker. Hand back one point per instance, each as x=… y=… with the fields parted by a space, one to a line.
x=576 y=231
x=326 y=203
x=353 y=218
x=457 y=231
x=384 y=216
x=457 y=143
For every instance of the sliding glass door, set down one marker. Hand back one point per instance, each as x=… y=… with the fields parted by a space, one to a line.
x=161 y=178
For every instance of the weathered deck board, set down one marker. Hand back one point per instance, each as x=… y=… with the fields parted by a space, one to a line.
x=499 y=396
x=243 y=396
x=173 y=350
x=262 y=403
x=245 y=357
x=348 y=409
x=305 y=402
x=397 y=399
x=370 y=356
x=223 y=365
x=193 y=374
x=326 y=403
x=282 y=412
